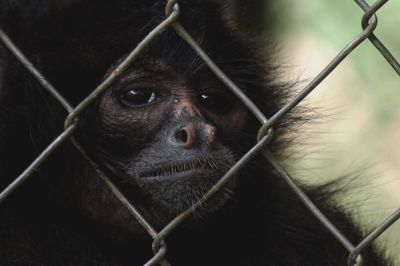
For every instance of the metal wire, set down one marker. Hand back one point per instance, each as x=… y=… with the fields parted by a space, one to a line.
x=369 y=23
x=29 y=66
x=121 y=68
x=37 y=162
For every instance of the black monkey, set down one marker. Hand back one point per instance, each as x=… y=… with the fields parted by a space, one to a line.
x=164 y=132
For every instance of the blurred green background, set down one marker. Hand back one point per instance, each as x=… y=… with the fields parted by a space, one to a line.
x=357 y=131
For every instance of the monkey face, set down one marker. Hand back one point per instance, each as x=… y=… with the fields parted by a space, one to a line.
x=168 y=138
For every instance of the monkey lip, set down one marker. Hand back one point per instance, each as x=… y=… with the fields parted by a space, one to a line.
x=196 y=166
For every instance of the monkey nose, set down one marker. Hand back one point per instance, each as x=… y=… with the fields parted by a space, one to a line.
x=192 y=134
x=185 y=136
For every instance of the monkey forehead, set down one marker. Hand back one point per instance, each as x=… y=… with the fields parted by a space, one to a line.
x=159 y=62
x=158 y=73
x=143 y=67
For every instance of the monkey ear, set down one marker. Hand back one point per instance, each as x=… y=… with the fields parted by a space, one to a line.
x=16 y=13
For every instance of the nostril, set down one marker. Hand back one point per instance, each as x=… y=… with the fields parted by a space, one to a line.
x=185 y=136
x=182 y=135
x=210 y=133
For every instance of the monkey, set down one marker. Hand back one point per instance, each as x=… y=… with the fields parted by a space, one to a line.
x=164 y=132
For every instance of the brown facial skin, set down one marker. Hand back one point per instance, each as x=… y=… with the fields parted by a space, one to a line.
x=167 y=139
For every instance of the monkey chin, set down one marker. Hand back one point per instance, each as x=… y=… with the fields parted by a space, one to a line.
x=169 y=193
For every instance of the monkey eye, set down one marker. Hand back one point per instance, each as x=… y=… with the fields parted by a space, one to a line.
x=138 y=97
x=215 y=102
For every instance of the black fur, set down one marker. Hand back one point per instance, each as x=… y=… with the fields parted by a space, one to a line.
x=57 y=217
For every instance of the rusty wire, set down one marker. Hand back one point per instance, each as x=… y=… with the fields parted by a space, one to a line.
x=369 y=23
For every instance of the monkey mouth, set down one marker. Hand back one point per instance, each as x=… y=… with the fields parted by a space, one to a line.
x=186 y=167
x=169 y=188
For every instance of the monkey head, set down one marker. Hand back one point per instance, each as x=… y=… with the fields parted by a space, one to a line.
x=167 y=129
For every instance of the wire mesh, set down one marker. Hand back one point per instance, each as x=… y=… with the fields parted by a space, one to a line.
x=265 y=133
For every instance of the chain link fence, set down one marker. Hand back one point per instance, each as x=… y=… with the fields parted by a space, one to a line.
x=265 y=134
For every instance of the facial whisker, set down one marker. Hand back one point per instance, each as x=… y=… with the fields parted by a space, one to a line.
x=198 y=163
